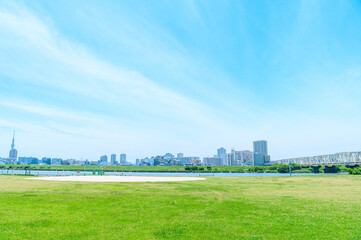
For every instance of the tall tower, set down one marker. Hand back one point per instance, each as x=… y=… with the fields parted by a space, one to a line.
x=13 y=143
x=260 y=153
x=113 y=159
x=222 y=153
x=260 y=147
x=123 y=159
x=13 y=154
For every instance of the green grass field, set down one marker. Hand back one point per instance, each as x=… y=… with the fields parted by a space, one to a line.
x=303 y=207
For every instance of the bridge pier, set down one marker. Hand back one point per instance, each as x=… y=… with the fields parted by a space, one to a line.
x=352 y=166
x=331 y=169
x=316 y=169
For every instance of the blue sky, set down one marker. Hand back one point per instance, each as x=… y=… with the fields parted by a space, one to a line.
x=85 y=78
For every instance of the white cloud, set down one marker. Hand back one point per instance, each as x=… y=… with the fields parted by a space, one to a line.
x=73 y=68
x=47 y=59
x=132 y=111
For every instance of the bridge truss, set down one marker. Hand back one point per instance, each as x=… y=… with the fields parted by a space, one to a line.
x=344 y=158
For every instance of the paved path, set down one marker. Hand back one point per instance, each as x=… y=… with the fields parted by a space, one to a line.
x=118 y=179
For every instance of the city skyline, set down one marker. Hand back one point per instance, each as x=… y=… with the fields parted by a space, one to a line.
x=200 y=75
x=221 y=153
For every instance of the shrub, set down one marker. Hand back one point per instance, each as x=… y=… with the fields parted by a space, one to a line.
x=283 y=168
x=295 y=166
x=251 y=169
x=256 y=169
x=356 y=171
x=273 y=167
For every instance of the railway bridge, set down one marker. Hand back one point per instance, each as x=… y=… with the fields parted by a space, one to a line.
x=343 y=158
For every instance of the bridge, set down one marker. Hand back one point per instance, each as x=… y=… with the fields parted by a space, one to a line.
x=343 y=158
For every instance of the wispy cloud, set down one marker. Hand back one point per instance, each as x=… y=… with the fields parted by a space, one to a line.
x=70 y=67
x=197 y=76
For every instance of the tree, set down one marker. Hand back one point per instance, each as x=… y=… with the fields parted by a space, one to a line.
x=295 y=166
x=274 y=166
x=283 y=168
x=355 y=171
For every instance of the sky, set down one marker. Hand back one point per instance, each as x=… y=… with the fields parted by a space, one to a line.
x=80 y=79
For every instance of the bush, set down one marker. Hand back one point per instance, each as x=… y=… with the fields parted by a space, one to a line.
x=251 y=169
x=256 y=169
x=355 y=171
x=273 y=166
x=295 y=166
x=283 y=168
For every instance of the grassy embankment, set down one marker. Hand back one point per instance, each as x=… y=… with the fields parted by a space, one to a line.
x=312 y=207
x=269 y=169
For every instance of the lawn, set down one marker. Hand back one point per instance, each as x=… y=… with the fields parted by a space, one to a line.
x=302 y=207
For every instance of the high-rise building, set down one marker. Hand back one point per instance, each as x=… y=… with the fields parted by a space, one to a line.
x=213 y=161
x=46 y=160
x=28 y=160
x=113 y=159
x=243 y=158
x=222 y=153
x=260 y=147
x=260 y=153
x=188 y=160
x=259 y=159
x=180 y=155
x=231 y=158
x=104 y=159
x=123 y=159
x=168 y=156
x=56 y=161
x=13 y=154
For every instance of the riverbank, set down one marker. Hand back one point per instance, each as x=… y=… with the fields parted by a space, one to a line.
x=169 y=174
x=196 y=169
